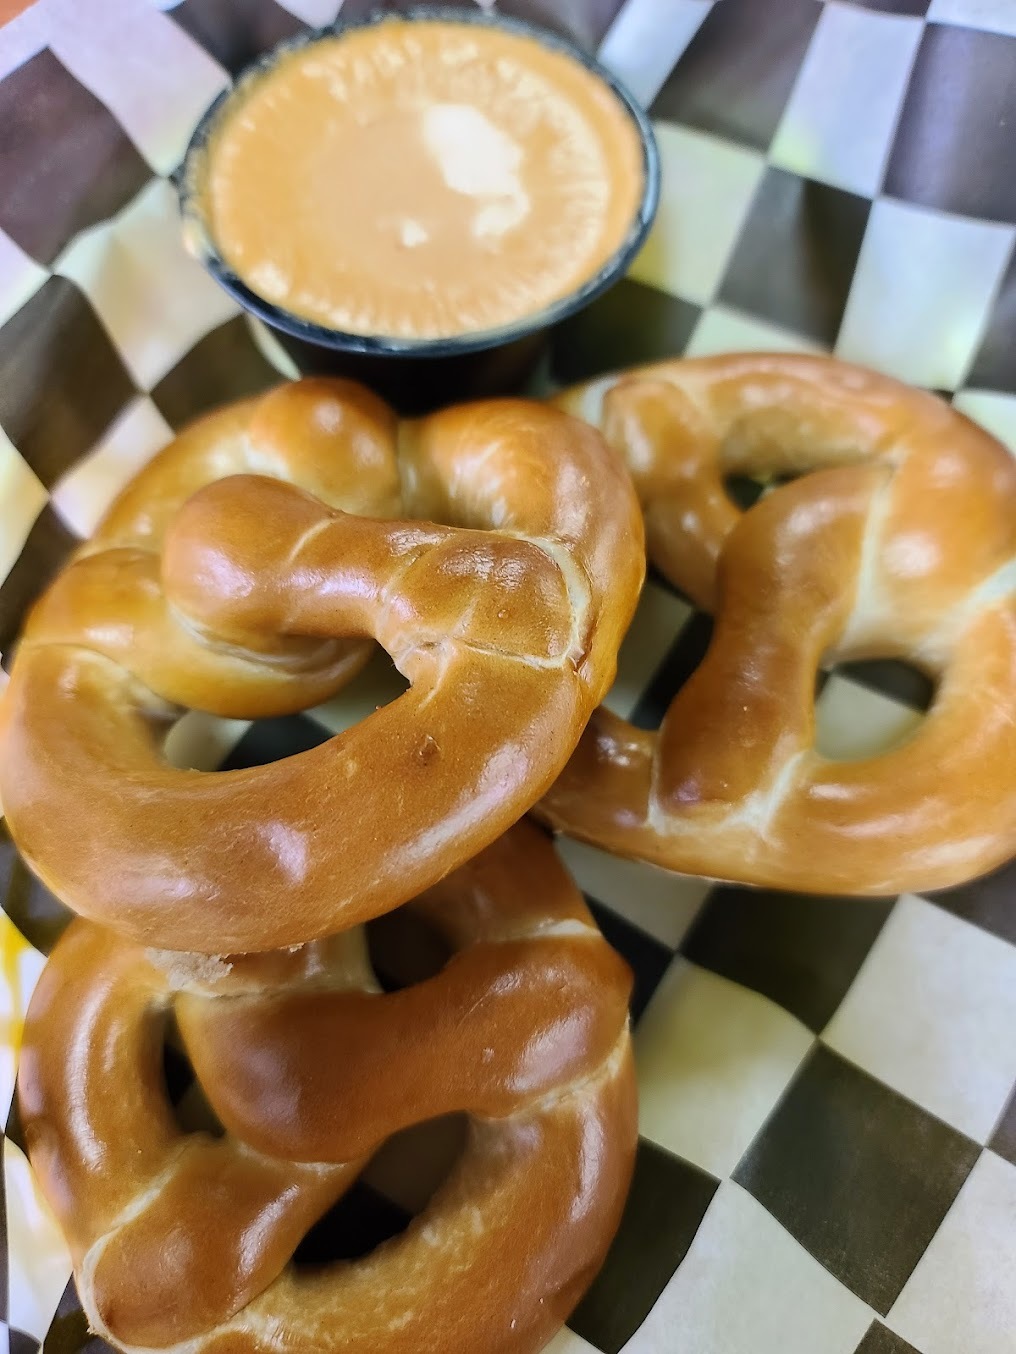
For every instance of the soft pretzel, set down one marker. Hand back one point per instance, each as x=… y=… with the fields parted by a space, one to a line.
x=506 y=622
x=334 y=440
x=902 y=544
x=183 y=1242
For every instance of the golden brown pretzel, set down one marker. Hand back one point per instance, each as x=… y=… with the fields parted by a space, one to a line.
x=902 y=544
x=182 y=1241
x=333 y=439
x=506 y=622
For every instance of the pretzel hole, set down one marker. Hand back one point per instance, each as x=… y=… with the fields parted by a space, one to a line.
x=200 y=742
x=191 y=1110
x=407 y=1170
x=377 y=685
x=874 y=709
x=744 y=491
x=894 y=677
x=397 y=1185
x=869 y=707
x=405 y=949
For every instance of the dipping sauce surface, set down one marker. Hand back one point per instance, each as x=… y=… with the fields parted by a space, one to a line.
x=422 y=179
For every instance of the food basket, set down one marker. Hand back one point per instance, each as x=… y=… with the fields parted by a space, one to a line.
x=827 y=1160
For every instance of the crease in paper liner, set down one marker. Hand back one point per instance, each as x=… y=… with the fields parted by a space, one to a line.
x=20 y=967
x=39 y=1264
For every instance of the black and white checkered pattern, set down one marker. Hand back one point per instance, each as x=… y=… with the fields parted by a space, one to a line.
x=828 y=1152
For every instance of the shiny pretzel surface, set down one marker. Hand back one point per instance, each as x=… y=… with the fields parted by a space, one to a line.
x=898 y=540
x=495 y=550
x=184 y=1241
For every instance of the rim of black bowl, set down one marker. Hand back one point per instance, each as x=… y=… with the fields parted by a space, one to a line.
x=201 y=241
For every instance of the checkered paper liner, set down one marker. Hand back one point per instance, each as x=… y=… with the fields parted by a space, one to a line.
x=827 y=1160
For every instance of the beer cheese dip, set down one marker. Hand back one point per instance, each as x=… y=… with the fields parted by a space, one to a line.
x=421 y=179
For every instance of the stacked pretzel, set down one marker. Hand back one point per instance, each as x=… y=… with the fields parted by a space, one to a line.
x=185 y=1242
x=242 y=574
x=495 y=551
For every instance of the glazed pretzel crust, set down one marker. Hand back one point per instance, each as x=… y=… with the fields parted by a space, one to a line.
x=242 y=599
x=183 y=1242
x=902 y=543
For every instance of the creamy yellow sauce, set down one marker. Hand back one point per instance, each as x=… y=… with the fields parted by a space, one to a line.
x=422 y=179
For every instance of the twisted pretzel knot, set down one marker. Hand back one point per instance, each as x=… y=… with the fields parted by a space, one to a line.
x=506 y=622
x=902 y=543
x=183 y=1241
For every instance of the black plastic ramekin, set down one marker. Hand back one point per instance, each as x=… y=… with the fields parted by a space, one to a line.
x=416 y=375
